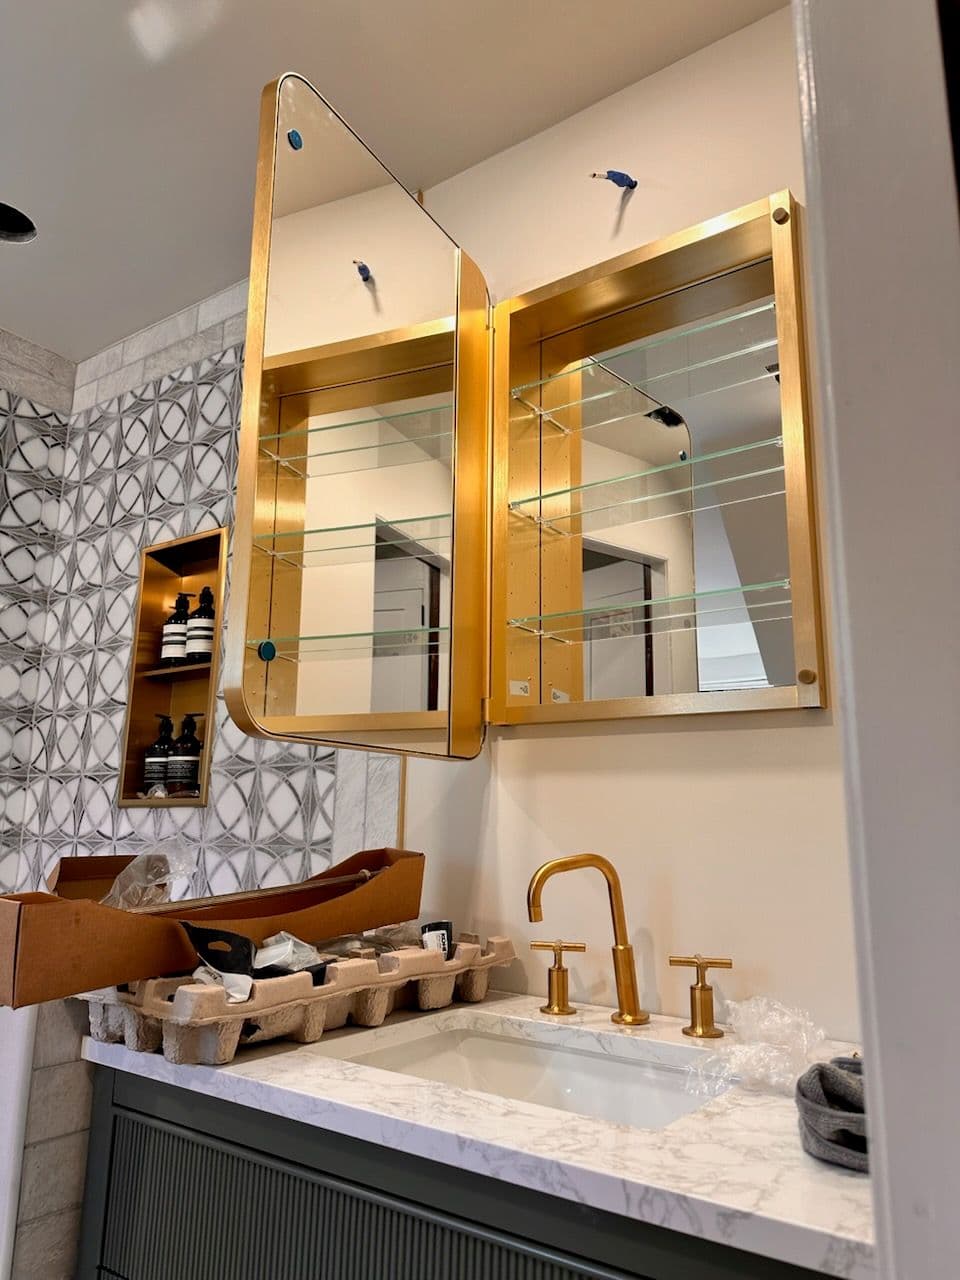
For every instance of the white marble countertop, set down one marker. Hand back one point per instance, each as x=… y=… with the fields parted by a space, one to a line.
x=733 y=1171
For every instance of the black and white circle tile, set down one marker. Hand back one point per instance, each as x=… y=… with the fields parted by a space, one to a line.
x=78 y=500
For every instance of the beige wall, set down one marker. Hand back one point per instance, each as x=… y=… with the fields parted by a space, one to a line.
x=728 y=832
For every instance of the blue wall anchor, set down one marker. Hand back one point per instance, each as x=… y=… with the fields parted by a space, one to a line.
x=363 y=271
x=295 y=139
x=618 y=178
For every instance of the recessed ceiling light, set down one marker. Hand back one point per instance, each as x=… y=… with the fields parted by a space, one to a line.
x=15 y=225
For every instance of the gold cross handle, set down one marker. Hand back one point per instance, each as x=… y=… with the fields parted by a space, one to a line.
x=702 y=1025
x=558 y=979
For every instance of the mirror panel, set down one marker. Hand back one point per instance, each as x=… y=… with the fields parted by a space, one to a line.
x=649 y=500
x=371 y=393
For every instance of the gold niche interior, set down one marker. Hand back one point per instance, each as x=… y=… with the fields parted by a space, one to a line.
x=184 y=564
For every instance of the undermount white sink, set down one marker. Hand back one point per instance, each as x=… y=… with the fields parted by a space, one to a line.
x=591 y=1071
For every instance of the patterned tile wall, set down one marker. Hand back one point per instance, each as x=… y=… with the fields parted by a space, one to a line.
x=32 y=447
x=149 y=464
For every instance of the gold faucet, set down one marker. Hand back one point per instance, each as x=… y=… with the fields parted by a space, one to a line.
x=629 y=1013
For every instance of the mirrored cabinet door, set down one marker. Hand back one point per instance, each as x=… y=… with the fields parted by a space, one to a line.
x=654 y=508
x=358 y=610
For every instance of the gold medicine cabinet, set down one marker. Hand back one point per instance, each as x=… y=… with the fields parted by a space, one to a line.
x=628 y=530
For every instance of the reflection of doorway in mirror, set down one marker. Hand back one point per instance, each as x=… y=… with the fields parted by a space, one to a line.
x=719 y=376
x=379 y=481
x=410 y=593
x=644 y=521
x=624 y=656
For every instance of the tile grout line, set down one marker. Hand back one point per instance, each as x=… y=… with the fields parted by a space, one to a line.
x=69 y=1133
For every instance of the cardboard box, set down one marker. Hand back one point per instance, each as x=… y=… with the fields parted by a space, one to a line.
x=64 y=942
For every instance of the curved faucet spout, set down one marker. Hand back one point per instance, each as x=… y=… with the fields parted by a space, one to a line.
x=629 y=1012
x=574 y=863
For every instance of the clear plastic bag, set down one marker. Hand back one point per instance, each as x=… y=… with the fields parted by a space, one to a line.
x=375 y=941
x=774 y=1045
x=285 y=952
x=149 y=879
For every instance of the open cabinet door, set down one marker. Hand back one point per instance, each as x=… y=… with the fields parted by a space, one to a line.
x=363 y=466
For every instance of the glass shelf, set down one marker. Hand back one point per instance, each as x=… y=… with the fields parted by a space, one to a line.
x=386 y=440
x=756 y=603
x=664 y=492
x=172 y=673
x=357 y=543
x=410 y=642
x=646 y=378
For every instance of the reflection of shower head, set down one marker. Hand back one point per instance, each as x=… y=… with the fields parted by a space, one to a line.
x=666 y=416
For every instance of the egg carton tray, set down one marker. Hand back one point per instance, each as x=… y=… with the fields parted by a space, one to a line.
x=194 y=1023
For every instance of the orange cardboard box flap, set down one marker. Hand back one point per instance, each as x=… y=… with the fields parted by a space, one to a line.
x=59 y=944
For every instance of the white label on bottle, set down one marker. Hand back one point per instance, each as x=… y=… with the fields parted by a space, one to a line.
x=154 y=769
x=200 y=636
x=174 y=643
x=183 y=769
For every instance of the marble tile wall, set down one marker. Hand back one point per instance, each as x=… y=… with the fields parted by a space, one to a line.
x=147 y=454
x=144 y=461
x=150 y=457
x=145 y=466
x=32 y=446
x=36 y=374
x=205 y=329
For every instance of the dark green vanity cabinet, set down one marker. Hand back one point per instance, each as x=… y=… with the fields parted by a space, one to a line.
x=185 y=1187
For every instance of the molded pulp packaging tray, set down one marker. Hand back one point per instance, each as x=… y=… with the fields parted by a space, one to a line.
x=61 y=943
x=196 y=1024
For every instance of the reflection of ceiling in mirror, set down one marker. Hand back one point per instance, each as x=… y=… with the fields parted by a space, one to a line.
x=732 y=416
x=336 y=206
x=332 y=163
x=425 y=421
x=716 y=377
x=638 y=437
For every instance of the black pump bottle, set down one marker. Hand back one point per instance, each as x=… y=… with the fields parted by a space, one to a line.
x=183 y=768
x=200 y=629
x=157 y=756
x=173 y=646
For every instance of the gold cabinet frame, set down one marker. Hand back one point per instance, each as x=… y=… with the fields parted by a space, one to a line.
x=714 y=252
x=499 y=574
x=264 y=597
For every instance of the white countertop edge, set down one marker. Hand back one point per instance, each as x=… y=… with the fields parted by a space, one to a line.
x=760 y=1231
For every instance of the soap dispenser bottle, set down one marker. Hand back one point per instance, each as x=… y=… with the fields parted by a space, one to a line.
x=173 y=644
x=155 y=759
x=183 y=769
x=200 y=629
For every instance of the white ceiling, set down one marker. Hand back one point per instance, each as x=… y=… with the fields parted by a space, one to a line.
x=129 y=126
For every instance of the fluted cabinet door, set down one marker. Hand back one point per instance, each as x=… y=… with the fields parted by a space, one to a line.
x=199 y=1209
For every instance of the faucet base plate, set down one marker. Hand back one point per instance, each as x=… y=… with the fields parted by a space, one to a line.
x=630 y=1019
